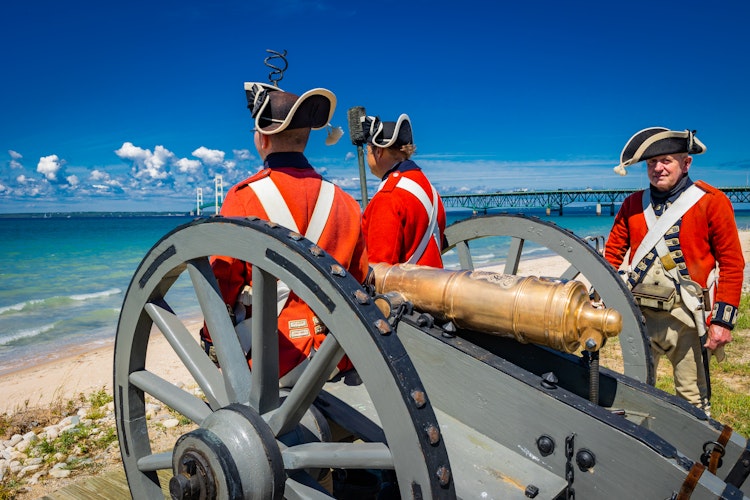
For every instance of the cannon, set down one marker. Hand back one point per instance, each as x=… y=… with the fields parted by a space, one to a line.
x=436 y=407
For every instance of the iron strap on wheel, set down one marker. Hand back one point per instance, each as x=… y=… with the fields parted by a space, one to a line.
x=419 y=457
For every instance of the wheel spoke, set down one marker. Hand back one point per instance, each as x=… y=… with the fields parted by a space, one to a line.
x=339 y=456
x=192 y=407
x=204 y=372
x=235 y=371
x=514 y=256
x=264 y=394
x=307 y=388
x=157 y=461
x=570 y=273
x=243 y=423
x=301 y=486
x=464 y=256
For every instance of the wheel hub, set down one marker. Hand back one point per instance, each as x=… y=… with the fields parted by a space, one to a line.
x=193 y=478
x=233 y=454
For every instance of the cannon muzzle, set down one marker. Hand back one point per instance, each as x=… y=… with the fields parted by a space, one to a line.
x=545 y=312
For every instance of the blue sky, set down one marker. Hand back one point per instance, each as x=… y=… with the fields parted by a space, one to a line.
x=117 y=106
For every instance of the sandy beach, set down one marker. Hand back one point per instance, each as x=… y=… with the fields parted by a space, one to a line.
x=89 y=371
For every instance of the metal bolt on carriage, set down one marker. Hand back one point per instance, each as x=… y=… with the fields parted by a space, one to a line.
x=468 y=384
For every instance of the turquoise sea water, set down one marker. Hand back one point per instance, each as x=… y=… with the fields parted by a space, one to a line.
x=63 y=278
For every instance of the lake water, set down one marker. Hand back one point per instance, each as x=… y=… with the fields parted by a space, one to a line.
x=63 y=278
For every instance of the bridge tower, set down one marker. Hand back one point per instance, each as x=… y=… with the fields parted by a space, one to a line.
x=218 y=192
x=198 y=200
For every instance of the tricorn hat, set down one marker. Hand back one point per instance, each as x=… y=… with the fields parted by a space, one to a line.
x=657 y=141
x=387 y=134
x=275 y=110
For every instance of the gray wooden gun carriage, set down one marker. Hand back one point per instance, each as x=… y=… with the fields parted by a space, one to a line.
x=449 y=411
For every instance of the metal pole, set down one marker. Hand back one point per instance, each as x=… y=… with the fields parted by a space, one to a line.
x=362 y=174
x=355 y=115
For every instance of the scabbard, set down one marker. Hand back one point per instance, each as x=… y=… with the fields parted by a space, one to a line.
x=706 y=363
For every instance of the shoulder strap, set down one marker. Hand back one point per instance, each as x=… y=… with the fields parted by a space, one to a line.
x=278 y=211
x=273 y=203
x=690 y=291
x=658 y=227
x=321 y=212
x=431 y=208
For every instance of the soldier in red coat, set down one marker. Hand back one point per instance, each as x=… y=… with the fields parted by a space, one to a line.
x=290 y=192
x=405 y=220
x=686 y=266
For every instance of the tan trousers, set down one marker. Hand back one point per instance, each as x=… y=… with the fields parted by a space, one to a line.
x=681 y=345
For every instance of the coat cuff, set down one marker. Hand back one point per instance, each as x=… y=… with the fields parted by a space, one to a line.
x=724 y=314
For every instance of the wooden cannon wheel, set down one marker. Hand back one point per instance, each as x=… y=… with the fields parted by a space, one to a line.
x=584 y=261
x=249 y=439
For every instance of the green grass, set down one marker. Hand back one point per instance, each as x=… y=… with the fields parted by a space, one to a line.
x=731 y=407
x=99 y=398
x=89 y=437
x=743 y=321
x=730 y=379
x=9 y=489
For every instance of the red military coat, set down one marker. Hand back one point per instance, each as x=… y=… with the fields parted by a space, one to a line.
x=708 y=234
x=341 y=237
x=395 y=220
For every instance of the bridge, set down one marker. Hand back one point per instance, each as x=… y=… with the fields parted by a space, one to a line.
x=551 y=200
x=556 y=200
x=218 y=197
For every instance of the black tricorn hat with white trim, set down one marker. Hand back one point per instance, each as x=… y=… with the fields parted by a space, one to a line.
x=275 y=110
x=657 y=141
x=387 y=134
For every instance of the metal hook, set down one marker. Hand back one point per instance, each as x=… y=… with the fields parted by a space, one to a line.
x=277 y=74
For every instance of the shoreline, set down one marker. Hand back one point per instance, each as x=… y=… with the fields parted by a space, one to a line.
x=89 y=367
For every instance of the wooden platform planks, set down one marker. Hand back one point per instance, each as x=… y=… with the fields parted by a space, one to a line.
x=109 y=486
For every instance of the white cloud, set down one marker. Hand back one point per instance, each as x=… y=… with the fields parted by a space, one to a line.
x=242 y=154
x=158 y=161
x=188 y=166
x=346 y=182
x=209 y=156
x=49 y=166
x=98 y=175
x=21 y=179
x=349 y=156
x=14 y=157
x=128 y=151
x=72 y=180
x=147 y=164
x=102 y=181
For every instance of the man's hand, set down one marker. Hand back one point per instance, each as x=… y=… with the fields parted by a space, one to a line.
x=717 y=337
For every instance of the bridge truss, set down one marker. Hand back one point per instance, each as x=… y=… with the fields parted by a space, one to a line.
x=556 y=200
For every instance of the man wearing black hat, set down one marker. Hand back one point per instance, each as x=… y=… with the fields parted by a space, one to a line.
x=681 y=235
x=405 y=220
x=290 y=192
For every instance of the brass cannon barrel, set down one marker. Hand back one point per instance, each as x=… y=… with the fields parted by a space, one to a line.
x=550 y=313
